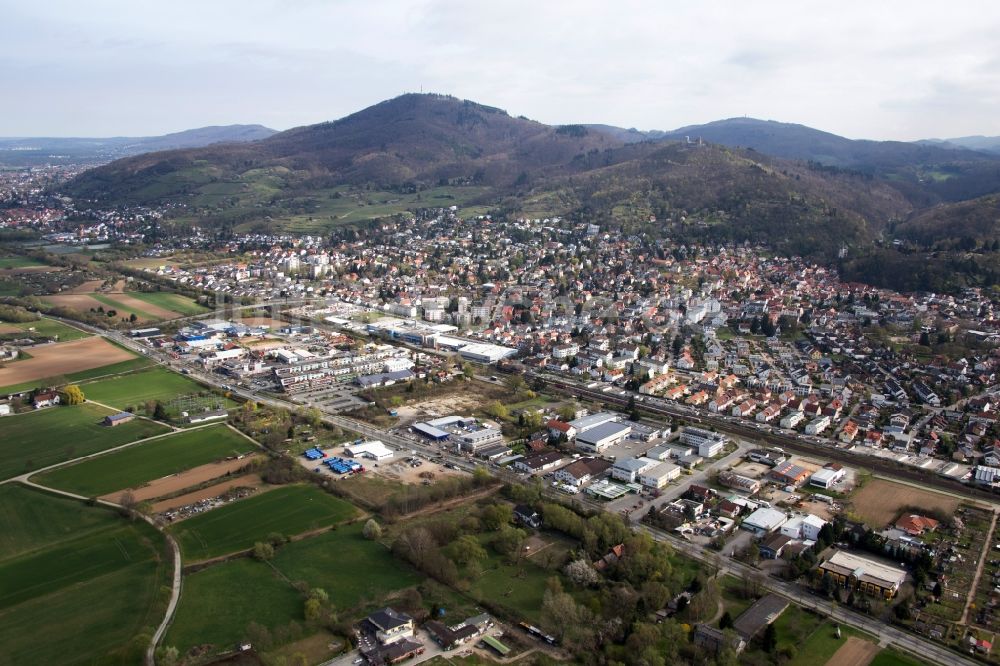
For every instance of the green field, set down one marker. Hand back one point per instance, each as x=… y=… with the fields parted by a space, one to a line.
x=288 y=510
x=82 y=572
x=135 y=466
x=170 y=301
x=51 y=328
x=218 y=603
x=19 y=262
x=355 y=572
x=136 y=388
x=519 y=589
x=45 y=437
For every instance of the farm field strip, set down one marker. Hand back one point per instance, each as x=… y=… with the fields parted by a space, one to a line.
x=41 y=438
x=187 y=479
x=62 y=359
x=288 y=510
x=46 y=327
x=149 y=461
x=245 y=481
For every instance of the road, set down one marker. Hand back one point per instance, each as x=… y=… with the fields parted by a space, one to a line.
x=887 y=635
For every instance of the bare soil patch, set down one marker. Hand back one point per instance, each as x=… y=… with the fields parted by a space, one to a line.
x=879 y=502
x=88 y=287
x=63 y=358
x=245 y=481
x=465 y=399
x=400 y=470
x=79 y=301
x=7 y=328
x=192 y=477
x=855 y=652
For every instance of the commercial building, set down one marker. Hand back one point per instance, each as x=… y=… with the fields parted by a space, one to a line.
x=373 y=449
x=538 y=462
x=599 y=438
x=581 y=471
x=863 y=574
x=803 y=527
x=660 y=475
x=827 y=477
x=629 y=469
x=709 y=444
x=790 y=474
x=763 y=521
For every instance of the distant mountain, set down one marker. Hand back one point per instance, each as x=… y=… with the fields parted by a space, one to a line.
x=928 y=173
x=407 y=141
x=631 y=135
x=796 y=189
x=33 y=151
x=986 y=144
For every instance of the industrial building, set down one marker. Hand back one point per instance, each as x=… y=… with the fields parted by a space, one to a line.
x=599 y=438
x=764 y=521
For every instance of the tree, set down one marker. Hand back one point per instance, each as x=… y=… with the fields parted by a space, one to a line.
x=567 y=412
x=497 y=515
x=770 y=640
x=466 y=549
x=159 y=412
x=581 y=573
x=73 y=395
x=726 y=621
x=372 y=530
x=263 y=551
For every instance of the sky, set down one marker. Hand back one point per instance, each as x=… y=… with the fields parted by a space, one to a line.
x=874 y=69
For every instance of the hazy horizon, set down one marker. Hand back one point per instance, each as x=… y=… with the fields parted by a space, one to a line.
x=895 y=71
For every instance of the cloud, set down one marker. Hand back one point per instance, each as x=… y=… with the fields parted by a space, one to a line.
x=892 y=69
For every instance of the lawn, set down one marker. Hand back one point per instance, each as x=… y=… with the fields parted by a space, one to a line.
x=81 y=571
x=45 y=437
x=136 y=388
x=137 y=465
x=891 y=657
x=219 y=603
x=823 y=643
x=519 y=588
x=170 y=301
x=289 y=510
x=52 y=328
x=357 y=573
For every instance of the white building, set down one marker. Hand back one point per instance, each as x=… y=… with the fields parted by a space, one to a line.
x=660 y=475
x=803 y=527
x=373 y=449
x=818 y=425
x=792 y=420
x=629 y=469
x=827 y=478
x=710 y=444
x=763 y=521
x=599 y=438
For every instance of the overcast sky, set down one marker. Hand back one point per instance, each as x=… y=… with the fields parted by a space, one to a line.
x=873 y=69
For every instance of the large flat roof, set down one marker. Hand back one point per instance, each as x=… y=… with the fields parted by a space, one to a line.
x=603 y=431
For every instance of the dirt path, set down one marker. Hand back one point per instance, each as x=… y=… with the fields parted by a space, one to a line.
x=175 y=482
x=63 y=358
x=855 y=652
x=979 y=570
x=245 y=481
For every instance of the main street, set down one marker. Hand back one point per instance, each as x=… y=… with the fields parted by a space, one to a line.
x=886 y=634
